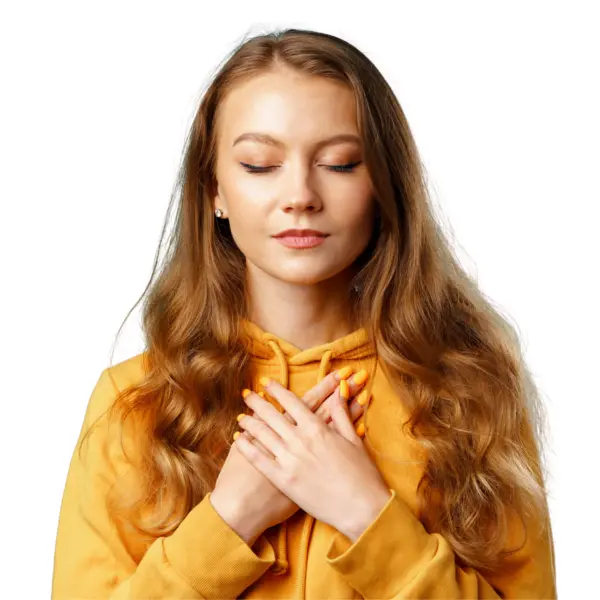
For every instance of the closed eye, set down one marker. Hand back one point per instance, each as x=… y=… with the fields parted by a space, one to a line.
x=347 y=168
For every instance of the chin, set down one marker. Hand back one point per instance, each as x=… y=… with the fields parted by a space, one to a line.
x=303 y=270
x=307 y=280
x=304 y=276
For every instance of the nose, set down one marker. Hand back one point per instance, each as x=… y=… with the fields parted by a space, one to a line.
x=301 y=194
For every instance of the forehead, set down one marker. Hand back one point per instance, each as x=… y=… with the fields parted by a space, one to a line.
x=290 y=107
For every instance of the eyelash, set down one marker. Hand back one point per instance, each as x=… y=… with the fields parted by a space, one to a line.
x=347 y=168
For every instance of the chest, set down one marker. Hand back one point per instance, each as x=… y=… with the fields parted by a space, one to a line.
x=398 y=458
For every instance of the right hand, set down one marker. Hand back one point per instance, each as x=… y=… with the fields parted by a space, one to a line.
x=244 y=497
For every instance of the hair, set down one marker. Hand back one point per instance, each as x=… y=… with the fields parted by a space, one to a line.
x=451 y=354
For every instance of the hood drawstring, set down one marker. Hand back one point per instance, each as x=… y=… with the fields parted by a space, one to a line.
x=281 y=562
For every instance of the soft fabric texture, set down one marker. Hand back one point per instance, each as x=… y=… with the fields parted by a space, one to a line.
x=395 y=557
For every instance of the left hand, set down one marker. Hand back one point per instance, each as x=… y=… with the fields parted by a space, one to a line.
x=325 y=470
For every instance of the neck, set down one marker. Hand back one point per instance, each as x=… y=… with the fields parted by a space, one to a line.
x=305 y=315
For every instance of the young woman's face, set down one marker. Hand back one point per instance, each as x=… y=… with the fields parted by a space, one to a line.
x=300 y=188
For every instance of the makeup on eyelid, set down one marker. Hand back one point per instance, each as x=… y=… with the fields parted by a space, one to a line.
x=342 y=168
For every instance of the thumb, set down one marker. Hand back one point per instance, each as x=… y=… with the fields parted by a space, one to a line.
x=340 y=414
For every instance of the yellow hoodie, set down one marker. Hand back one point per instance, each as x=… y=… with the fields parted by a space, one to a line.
x=395 y=557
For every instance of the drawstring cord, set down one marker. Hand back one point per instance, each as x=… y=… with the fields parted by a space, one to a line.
x=283 y=365
x=281 y=561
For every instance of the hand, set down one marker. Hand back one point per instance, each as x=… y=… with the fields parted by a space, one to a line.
x=314 y=399
x=246 y=499
x=319 y=468
x=356 y=401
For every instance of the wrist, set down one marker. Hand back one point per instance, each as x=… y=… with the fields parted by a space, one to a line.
x=367 y=516
x=242 y=525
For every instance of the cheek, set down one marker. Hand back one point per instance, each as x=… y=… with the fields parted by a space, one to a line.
x=248 y=224
x=244 y=195
x=356 y=218
x=354 y=201
x=247 y=227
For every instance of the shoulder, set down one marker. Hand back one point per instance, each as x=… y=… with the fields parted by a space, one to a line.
x=112 y=381
x=127 y=372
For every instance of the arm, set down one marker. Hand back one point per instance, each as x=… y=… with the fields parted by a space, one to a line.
x=395 y=557
x=94 y=558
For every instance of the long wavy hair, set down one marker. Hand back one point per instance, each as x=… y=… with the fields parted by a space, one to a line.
x=455 y=360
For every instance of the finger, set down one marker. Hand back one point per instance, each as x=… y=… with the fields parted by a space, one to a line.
x=356 y=383
x=254 y=441
x=267 y=412
x=286 y=416
x=263 y=433
x=341 y=415
x=317 y=394
x=356 y=409
x=359 y=427
x=320 y=397
x=314 y=398
x=270 y=468
x=324 y=411
x=289 y=402
x=358 y=404
x=250 y=437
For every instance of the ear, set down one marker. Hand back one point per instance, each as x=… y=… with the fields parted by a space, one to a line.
x=217 y=198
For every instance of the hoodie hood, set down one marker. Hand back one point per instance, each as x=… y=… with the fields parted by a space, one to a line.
x=304 y=369
x=268 y=347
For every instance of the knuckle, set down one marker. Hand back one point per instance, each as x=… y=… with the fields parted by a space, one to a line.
x=308 y=399
x=315 y=434
x=261 y=426
x=252 y=426
x=315 y=427
x=289 y=477
x=322 y=412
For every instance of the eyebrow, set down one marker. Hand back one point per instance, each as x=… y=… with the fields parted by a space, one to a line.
x=265 y=138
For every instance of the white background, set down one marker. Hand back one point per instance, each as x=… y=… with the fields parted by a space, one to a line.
x=502 y=99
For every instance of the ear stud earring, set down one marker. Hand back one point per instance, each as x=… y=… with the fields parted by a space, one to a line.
x=218 y=213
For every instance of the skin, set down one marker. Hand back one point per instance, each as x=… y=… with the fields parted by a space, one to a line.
x=299 y=295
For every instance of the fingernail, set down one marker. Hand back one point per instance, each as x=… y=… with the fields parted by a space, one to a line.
x=264 y=381
x=235 y=435
x=240 y=417
x=360 y=429
x=360 y=377
x=344 y=373
x=245 y=392
x=363 y=397
x=344 y=389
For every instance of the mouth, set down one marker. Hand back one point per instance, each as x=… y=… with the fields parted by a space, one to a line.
x=300 y=233
x=301 y=238
x=301 y=241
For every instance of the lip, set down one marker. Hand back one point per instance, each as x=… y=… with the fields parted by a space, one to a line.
x=301 y=241
x=301 y=238
x=300 y=233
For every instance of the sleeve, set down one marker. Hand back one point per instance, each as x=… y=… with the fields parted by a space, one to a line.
x=395 y=557
x=203 y=558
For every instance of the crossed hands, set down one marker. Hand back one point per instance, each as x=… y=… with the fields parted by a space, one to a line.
x=324 y=469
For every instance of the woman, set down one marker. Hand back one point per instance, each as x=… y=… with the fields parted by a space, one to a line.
x=252 y=318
